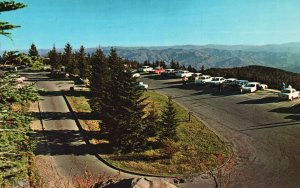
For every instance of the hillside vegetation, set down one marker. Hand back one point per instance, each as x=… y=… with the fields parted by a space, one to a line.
x=271 y=76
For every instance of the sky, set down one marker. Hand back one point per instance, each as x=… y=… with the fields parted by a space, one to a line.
x=94 y=23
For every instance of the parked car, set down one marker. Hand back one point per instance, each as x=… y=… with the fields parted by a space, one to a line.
x=145 y=69
x=240 y=82
x=216 y=81
x=136 y=75
x=230 y=81
x=157 y=70
x=203 y=79
x=168 y=73
x=183 y=73
x=196 y=76
x=263 y=86
x=288 y=94
x=251 y=87
x=142 y=85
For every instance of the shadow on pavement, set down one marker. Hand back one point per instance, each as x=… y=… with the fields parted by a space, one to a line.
x=264 y=100
x=272 y=125
x=50 y=93
x=65 y=142
x=64 y=115
x=291 y=110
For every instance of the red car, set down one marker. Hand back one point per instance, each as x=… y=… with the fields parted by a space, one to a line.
x=158 y=70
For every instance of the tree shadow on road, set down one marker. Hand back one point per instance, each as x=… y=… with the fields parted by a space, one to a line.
x=69 y=142
x=264 y=100
x=86 y=94
x=64 y=115
x=291 y=110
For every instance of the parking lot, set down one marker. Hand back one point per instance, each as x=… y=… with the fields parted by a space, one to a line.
x=263 y=131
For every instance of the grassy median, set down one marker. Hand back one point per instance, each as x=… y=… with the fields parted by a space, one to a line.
x=196 y=150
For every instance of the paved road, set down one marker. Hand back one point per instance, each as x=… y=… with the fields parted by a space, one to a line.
x=263 y=132
x=67 y=152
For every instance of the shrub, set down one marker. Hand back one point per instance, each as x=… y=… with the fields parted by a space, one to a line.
x=169 y=148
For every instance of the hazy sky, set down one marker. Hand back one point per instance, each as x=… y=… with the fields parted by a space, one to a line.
x=152 y=22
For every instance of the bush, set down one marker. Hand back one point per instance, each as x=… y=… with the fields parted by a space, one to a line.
x=169 y=148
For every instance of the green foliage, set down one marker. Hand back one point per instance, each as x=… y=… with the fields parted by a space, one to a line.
x=116 y=99
x=99 y=81
x=54 y=58
x=83 y=63
x=169 y=122
x=5 y=27
x=15 y=58
x=152 y=122
x=68 y=59
x=169 y=148
x=15 y=144
x=33 y=51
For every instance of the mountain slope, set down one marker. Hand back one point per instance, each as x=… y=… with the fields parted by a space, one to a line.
x=284 y=56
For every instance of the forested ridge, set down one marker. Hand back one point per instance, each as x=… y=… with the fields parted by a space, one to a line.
x=272 y=76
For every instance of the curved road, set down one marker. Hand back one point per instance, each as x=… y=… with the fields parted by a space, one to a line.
x=62 y=144
x=263 y=132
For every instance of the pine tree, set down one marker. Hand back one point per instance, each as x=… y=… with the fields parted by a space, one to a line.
x=68 y=59
x=152 y=122
x=99 y=81
x=54 y=59
x=83 y=63
x=5 y=27
x=33 y=52
x=169 y=122
x=124 y=111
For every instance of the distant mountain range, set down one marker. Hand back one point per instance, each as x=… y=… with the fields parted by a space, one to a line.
x=284 y=56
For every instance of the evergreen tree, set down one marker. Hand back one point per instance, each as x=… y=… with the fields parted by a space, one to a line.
x=99 y=82
x=152 y=122
x=83 y=64
x=175 y=64
x=124 y=110
x=54 y=59
x=33 y=52
x=68 y=59
x=169 y=122
x=202 y=69
x=5 y=27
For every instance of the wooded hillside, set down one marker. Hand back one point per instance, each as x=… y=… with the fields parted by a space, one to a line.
x=267 y=75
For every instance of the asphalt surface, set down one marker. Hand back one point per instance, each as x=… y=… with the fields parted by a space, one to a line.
x=263 y=132
x=63 y=143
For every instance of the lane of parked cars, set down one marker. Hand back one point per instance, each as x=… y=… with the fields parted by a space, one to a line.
x=233 y=84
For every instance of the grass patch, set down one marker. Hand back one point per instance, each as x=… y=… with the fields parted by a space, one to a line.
x=198 y=147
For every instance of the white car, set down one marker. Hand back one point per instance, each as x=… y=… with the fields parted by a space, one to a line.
x=145 y=69
x=183 y=73
x=250 y=87
x=203 y=79
x=240 y=82
x=288 y=94
x=196 y=76
x=230 y=80
x=142 y=86
x=217 y=80
x=136 y=75
x=263 y=86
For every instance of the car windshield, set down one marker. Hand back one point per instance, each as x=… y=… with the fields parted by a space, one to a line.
x=215 y=79
x=203 y=78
